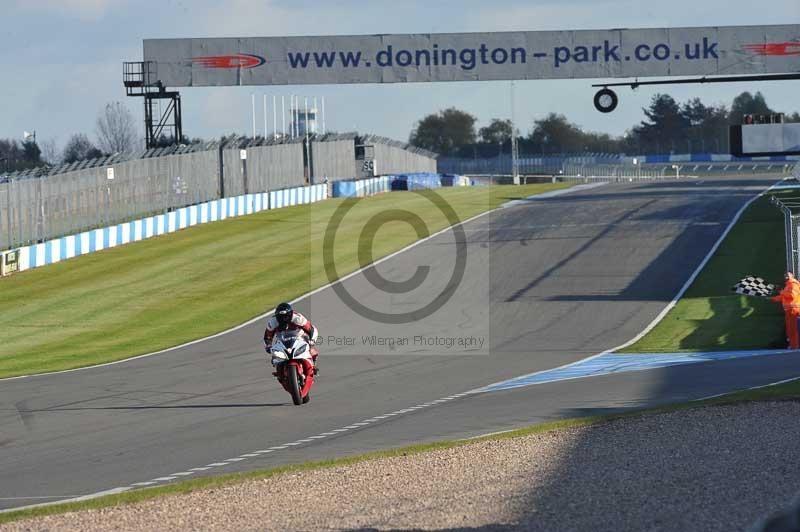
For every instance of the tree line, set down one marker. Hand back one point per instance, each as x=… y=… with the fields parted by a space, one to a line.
x=669 y=127
x=115 y=132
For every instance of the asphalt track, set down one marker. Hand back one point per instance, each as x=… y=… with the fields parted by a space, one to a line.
x=545 y=283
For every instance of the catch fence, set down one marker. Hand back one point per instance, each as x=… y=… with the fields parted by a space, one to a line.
x=790 y=206
x=43 y=204
x=615 y=165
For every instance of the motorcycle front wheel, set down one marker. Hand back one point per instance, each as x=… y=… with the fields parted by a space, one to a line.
x=294 y=384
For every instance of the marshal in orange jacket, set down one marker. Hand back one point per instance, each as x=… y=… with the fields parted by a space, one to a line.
x=789 y=297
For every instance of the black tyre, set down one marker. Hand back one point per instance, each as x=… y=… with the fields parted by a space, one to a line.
x=605 y=100
x=294 y=384
x=307 y=398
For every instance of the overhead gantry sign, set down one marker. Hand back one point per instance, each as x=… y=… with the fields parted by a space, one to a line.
x=618 y=53
x=730 y=51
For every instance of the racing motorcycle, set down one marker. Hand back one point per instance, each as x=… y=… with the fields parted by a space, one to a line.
x=294 y=366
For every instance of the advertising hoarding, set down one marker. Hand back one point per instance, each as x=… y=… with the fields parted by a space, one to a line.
x=615 y=53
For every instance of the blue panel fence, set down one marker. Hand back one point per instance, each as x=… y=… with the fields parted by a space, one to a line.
x=67 y=247
x=376 y=185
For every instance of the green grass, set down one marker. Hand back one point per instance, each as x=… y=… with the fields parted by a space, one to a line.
x=709 y=316
x=755 y=245
x=172 y=289
x=783 y=392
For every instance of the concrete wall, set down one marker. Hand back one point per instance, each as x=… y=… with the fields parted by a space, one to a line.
x=45 y=207
x=395 y=160
x=59 y=249
x=48 y=203
x=268 y=168
x=275 y=166
x=40 y=208
x=334 y=159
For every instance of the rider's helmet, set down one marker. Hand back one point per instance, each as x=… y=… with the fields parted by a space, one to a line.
x=284 y=314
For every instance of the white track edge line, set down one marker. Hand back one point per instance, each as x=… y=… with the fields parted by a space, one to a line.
x=661 y=315
x=776 y=383
x=113 y=491
x=652 y=324
x=267 y=314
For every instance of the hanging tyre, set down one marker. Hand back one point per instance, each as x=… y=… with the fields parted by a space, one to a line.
x=605 y=100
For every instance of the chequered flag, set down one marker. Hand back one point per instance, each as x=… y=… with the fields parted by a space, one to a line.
x=754 y=286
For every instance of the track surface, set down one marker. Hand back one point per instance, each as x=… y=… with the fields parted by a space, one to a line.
x=546 y=283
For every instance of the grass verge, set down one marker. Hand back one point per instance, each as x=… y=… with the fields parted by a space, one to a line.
x=782 y=392
x=169 y=290
x=709 y=316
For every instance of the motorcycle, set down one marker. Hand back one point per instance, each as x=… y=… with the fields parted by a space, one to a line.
x=294 y=366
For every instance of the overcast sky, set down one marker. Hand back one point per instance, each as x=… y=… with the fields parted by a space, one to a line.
x=62 y=59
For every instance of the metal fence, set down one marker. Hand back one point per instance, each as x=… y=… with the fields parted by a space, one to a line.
x=47 y=203
x=585 y=163
x=37 y=208
x=791 y=222
x=333 y=157
x=394 y=157
x=503 y=164
x=40 y=208
x=618 y=171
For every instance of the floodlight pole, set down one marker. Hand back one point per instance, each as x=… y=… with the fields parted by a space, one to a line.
x=253 y=98
x=315 y=115
x=514 y=149
x=324 y=130
x=296 y=115
x=308 y=151
x=4 y=160
x=292 y=122
x=274 y=116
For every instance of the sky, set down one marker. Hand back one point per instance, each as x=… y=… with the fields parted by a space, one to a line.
x=62 y=60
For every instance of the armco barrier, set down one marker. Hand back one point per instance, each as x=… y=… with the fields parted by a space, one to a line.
x=59 y=249
x=710 y=158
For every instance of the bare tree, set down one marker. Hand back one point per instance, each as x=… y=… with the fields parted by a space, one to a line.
x=50 y=153
x=79 y=147
x=116 y=132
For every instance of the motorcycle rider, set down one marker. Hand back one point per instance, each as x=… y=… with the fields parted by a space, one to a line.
x=287 y=319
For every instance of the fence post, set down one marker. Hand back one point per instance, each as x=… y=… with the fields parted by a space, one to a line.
x=221 y=171
x=243 y=157
x=790 y=234
x=794 y=237
x=42 y=227
x=8 y=211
